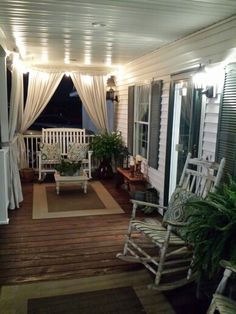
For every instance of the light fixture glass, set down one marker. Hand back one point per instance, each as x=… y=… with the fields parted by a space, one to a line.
x=111 y=83
x=209 y=80
x=199 y=78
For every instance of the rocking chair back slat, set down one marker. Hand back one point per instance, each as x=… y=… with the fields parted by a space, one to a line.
x=201 y=177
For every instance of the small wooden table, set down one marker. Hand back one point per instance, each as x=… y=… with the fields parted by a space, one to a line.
x=133 y=182
x=63 y=180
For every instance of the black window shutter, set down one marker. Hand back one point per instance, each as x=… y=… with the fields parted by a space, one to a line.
x=130 y=119
x=155 y=116
x=226 y=143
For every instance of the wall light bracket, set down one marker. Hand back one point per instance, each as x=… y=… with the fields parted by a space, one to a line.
x=209 y=92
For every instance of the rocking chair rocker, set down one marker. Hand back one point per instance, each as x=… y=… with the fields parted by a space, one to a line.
x=159 y=246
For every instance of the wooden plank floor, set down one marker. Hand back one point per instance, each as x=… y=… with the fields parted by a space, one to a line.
x=50 y=249
x=33 y=251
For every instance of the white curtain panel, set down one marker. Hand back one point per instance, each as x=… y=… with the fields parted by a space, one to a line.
x=41 y=88
x=92 y=91
x=16 y=103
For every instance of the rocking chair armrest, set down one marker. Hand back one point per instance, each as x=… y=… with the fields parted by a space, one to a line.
x=228 y=265
x=142 y=203
x=147 y=204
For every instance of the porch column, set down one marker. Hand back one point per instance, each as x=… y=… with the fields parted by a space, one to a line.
x=4 y=141
x=4 y=133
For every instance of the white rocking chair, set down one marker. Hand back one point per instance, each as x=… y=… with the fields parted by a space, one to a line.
x=159 y=246
x=220 y=303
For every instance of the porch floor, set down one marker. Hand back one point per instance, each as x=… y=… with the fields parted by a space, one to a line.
x=71 y=248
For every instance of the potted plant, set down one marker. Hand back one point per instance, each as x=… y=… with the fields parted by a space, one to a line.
x=68 y=168
x=106 y=146
x=211 y=229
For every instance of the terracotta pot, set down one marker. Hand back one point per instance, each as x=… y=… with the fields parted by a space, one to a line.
x=27 y=175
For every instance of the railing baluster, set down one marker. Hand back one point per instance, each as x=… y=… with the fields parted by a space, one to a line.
x=32 y=142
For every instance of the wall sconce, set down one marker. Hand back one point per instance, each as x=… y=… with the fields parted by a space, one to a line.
x=110 y=95
x=201 y=82
x=209 y=92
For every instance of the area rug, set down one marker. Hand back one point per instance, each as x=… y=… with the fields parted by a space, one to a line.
x=118 y=300
x=72 y=202
x=128 y=285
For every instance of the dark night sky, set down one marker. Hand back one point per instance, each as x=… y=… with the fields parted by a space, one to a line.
x=61 y=103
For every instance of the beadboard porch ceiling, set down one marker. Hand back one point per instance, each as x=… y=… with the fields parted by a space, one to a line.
x=101 y=33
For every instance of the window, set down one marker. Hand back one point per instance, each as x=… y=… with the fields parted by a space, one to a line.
x=141 y=120
x=144 y=112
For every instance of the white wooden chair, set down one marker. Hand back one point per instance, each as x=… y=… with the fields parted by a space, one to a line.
x=58 y=143
x=159 y=246
x=220 y=303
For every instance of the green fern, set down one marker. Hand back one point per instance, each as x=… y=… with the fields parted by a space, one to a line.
x=212 y=228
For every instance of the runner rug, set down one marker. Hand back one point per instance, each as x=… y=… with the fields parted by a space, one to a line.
x=119 y=301
x=72 y=202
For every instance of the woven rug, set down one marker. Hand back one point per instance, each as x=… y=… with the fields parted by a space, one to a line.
x=110 y=294
x=72 y=202
x=119 y=300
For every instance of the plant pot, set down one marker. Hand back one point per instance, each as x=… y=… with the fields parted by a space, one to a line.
x=27 y=175
x=105 y=170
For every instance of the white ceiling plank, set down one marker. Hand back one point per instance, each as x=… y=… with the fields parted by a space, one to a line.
x=63 y=29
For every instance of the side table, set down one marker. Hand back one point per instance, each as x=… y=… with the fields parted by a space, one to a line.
x=136 y=182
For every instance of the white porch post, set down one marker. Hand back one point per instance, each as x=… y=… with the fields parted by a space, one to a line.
x=4 y=144
x=3 y=100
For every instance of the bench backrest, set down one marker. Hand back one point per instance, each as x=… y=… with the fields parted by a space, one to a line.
x=63 y=136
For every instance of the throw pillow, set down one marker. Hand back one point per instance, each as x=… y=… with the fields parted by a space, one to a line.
x=77 y=151
x=176 y=208
x=50 y=151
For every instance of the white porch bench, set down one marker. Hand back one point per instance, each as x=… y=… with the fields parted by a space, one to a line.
x=58 y=143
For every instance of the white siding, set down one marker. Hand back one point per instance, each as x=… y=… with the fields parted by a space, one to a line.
x=210 y=128
x=213 y=45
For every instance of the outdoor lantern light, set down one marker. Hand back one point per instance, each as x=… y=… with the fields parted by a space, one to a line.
x=201 y=81
x=111 y=92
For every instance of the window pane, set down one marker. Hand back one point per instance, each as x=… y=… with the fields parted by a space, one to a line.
x=142 y=101
x=141 y=139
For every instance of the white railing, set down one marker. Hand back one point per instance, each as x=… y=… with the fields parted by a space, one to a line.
x=32 y=142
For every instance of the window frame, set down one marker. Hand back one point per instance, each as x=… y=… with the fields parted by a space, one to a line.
x=137 y=123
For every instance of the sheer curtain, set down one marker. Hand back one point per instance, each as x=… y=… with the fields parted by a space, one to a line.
x=92 y=91
x=16 y=103
x=41 y=88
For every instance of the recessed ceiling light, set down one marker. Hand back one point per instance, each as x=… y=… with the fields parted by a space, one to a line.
x=98 y=24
